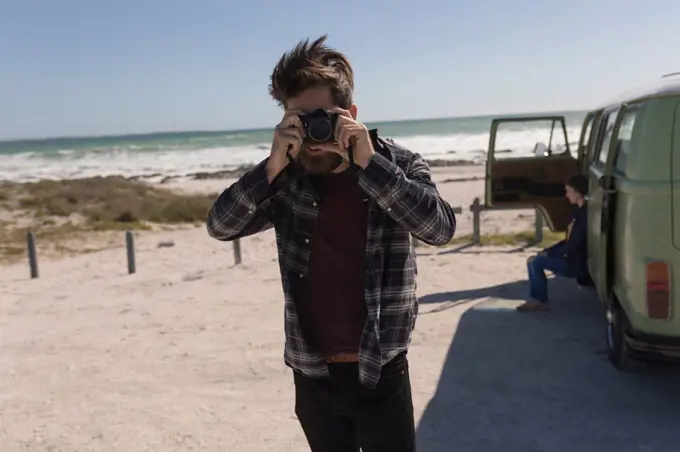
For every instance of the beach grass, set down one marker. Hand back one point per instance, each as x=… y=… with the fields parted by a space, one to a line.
x=518 y=239
x=105 y=201
x=61 y=211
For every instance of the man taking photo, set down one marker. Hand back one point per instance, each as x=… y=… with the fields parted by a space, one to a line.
x=344 y=203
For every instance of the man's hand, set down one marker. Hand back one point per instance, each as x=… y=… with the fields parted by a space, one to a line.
x=288 y=137
x=350 y=133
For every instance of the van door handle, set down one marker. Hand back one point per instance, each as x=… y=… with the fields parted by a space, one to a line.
x=607 y=190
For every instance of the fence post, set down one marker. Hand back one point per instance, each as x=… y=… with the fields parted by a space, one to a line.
x=32 y=254
x=538 y=226
x=476 y=209
x=130 y=245
x=237 y=251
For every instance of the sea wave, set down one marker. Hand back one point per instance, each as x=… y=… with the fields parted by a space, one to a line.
x=178 y=159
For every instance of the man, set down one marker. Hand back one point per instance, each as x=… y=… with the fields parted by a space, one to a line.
x=566 y=258
x=343 y=212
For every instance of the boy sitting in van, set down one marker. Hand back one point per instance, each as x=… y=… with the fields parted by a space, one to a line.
x=568 y=257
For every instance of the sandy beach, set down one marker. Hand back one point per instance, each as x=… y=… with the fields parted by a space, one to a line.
x=187 y=354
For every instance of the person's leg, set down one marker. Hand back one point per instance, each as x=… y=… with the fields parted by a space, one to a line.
x=538 y=283
x=384 y=415
x=318 y=406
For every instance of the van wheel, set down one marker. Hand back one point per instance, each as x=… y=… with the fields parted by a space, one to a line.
x=617 y=348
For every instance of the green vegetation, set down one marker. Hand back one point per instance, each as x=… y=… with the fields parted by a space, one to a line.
x=105 y=200
x=514 y=239
x=63 y=210
x=518 y=239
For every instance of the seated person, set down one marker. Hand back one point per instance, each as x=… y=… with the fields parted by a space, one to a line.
x=568 y=257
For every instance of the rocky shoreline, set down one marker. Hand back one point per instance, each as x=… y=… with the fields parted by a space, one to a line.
x=237 y=172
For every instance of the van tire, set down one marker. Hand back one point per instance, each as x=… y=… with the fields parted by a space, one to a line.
x=617 y=349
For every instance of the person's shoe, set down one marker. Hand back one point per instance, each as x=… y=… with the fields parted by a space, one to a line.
x=532 y=306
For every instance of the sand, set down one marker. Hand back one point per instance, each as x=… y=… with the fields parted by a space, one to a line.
x=187 y=354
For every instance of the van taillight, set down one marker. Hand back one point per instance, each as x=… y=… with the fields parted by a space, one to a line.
x=658 y=290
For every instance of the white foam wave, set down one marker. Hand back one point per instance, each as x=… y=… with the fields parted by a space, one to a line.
x=474 y=146
x=124 y=161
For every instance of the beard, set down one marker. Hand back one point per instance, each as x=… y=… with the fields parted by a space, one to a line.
x=318 y=163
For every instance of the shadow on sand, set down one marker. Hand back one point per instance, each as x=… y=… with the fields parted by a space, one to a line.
x=542 y=382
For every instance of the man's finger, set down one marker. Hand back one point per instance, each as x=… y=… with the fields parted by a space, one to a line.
x=290 y=131
x=291 y=112
x=342 y=122
x=347 y=133
x=342 y=112
x=291 y=121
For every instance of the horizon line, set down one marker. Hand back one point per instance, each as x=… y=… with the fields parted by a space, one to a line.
x=256 y=129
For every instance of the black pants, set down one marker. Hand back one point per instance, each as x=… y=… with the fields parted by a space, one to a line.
x=339 y=414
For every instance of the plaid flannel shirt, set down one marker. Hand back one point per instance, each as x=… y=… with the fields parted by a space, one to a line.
x=403 y=201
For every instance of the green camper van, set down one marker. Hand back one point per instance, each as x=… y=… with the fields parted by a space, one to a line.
x=629 y=148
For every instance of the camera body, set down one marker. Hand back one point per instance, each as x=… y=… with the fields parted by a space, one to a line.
x=319 y=125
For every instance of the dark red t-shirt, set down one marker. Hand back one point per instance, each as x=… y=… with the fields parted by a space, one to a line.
x=332 y=306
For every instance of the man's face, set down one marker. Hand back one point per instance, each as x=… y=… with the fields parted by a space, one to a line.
x=572 y=195
x=311 y=158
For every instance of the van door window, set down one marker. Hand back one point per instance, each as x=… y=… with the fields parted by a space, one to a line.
x=530 y=138
x=594 y=134
x=587 y=133
x=624 y=139
x=609 y=122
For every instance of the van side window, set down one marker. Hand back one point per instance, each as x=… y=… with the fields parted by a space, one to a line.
x=624 y=139
x=593 y=137
x=609 y=123
x=586 y=135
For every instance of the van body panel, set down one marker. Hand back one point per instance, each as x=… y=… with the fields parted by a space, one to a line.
x=642 y=224
x=637 y=242
x=675 y=176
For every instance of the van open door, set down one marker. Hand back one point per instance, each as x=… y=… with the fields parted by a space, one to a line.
x=520 y=176
x=588 y=132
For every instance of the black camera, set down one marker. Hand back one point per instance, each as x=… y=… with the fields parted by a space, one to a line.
x=319 y=125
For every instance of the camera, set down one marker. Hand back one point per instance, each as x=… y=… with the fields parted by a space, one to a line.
x=319 y=125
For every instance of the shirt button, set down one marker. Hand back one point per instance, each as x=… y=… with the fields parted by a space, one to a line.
x=250 y=212
x=306 y=240
x=389 y=209
x=301 y=275
x=315 y=204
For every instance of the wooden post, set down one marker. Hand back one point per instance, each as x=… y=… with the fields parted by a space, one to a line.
x=32 y=255
x=476 y=209
x=130 y=246
x=237 y=251
x=538 y=226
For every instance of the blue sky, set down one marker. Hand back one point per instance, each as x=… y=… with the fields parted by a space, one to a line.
x=84 y=67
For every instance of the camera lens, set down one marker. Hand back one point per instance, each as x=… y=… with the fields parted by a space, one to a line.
x=319 y=129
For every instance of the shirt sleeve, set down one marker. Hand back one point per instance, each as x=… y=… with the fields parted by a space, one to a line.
x=410 y=197
x=244 y=208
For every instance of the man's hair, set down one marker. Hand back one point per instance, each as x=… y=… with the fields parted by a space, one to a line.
x=311 y=65
x=579 y=183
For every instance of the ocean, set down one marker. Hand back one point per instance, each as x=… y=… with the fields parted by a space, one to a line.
x=187 y=153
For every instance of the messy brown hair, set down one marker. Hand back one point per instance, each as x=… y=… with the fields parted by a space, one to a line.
x=309 y=65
